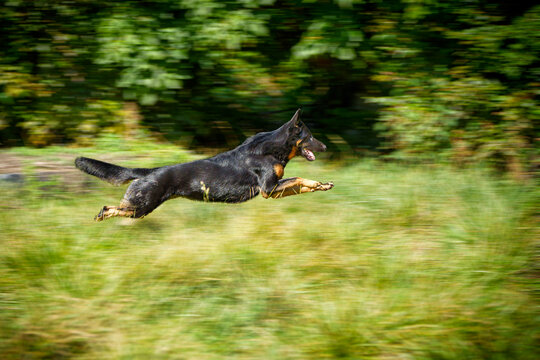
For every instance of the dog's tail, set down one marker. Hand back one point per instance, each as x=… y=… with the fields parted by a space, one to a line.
x=114 y=174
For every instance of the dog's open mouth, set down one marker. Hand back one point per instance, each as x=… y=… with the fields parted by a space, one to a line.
x=308 y=154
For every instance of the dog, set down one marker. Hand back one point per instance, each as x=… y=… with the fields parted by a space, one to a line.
x=256 y=166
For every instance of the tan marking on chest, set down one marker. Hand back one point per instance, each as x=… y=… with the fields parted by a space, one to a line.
x=292 y=153
x=294 y=150
x=278 y=169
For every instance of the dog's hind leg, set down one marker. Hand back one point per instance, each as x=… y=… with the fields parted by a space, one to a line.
x=112 y=211
x=140 y=199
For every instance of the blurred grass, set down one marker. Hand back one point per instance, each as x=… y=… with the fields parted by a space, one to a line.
x=396 y=262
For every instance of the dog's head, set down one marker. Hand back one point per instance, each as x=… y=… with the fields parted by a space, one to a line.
x=303 y=142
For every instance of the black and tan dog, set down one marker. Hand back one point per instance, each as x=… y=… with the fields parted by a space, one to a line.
x=254 y=167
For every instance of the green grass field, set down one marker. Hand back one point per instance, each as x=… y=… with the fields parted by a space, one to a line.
x=396 y=262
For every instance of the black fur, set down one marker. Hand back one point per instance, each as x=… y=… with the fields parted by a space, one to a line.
x=234 y=176
x=114 y=174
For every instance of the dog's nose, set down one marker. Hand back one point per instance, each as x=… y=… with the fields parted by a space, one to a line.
x=323 y=147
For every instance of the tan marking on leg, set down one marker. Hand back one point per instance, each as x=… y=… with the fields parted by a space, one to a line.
x=267 y=195
x=295 y=186
x=112 y=211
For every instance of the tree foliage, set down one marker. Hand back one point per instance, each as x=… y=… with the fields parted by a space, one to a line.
x=411 y=78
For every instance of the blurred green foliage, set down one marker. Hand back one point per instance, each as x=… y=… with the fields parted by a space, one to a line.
x=457 y=80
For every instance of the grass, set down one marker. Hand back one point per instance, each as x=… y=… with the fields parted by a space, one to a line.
x=395 y=262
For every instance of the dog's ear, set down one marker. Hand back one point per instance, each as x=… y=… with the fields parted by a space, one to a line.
x=291 y=126
x=295 y=119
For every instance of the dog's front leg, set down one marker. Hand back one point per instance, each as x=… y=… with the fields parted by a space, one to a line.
x=295 y=186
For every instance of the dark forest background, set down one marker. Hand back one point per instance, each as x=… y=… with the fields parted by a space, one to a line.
x=457 y=81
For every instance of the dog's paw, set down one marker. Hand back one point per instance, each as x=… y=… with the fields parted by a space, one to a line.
x=326 y=186
x=101 y=215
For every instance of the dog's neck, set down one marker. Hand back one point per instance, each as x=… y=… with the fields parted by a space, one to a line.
x=284 y=153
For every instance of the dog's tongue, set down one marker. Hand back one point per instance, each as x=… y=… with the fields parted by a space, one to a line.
x=308 y=154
